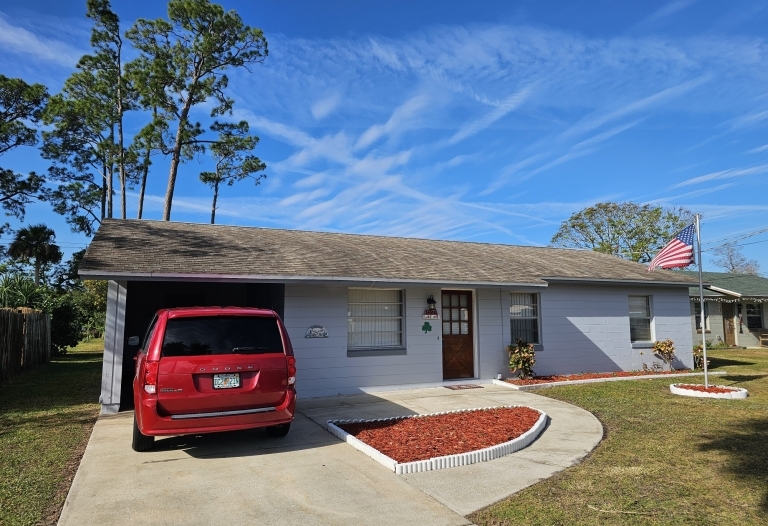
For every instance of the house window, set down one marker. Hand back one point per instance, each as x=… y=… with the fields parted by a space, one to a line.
x=374 y=319
x=697 y=313
x=640 y=319
x=754 y=316
x=524 y=317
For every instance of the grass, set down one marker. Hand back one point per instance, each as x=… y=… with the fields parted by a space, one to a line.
x=665 y=459
x=46 y=417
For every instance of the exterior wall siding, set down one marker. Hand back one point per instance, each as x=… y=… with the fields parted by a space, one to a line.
x=586 y=328
x=583 y=328
x=749 y=338
x=715 y=328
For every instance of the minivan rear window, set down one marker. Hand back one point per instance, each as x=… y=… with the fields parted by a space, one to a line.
x=207 y=335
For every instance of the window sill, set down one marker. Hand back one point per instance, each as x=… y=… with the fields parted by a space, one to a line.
x=642 y=345
x=698 y=331
x=376 y=352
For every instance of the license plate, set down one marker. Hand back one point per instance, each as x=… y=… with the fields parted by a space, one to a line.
x=226 y=381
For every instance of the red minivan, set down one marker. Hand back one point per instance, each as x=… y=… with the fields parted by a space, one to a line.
x=208 y=369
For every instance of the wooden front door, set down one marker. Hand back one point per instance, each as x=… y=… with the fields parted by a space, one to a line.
x=729 y=325
x=458 y=339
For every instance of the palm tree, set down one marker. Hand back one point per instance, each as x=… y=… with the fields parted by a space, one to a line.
x=35 y=242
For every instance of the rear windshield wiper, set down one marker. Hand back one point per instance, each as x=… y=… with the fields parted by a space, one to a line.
x=249 y=349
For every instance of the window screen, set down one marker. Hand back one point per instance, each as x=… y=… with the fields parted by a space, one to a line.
x=524 y=317
x=374 y=319
x=205 y=335
x=640 y=319
x=754 y=316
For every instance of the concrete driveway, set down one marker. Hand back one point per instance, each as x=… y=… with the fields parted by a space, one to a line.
x=309 y=477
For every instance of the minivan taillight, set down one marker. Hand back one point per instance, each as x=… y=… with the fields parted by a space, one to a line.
x=150 y=377
x=291 y=370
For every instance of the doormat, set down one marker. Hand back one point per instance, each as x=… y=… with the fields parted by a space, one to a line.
x=463 y=386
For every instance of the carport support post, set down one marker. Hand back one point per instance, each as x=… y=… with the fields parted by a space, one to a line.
x=114 y=336
x=701 y=300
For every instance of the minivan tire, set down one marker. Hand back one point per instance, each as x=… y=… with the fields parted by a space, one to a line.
x=141 y=442
x=278 y=431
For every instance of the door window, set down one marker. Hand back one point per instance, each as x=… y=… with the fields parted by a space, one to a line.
x=455 y=314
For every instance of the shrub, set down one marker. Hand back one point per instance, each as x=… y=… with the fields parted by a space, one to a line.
x=522 y=358
x=698 y=357
x=665 y=350
x=65 y=324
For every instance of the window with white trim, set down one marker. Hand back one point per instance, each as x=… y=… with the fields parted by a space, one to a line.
x=640 y=319
x=524 y=317
x=375 y=319
x=697 y=314
x=754 y=316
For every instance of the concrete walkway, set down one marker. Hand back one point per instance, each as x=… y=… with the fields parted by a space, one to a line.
x=309 y=477
x=571 y=434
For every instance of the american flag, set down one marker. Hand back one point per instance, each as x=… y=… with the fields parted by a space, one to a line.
x=677 y=253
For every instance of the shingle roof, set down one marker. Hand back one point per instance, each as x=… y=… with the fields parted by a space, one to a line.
x=136 y=249
x=747 y=285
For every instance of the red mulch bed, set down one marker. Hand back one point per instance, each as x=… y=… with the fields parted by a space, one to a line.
x=412 y=439
x=588 y=376
x=702 y=389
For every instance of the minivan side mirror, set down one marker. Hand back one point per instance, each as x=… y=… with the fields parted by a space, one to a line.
x=133 y=341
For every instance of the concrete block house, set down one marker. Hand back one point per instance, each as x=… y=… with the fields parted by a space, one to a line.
x=356 y=306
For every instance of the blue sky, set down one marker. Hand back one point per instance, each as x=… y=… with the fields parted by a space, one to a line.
x=480 y=121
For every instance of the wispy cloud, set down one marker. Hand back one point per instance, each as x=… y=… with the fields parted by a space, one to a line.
x=402 y=115
x=509 y=104
x=323 y=107
x=723 y=174
x=759 y=149
x=18 y=40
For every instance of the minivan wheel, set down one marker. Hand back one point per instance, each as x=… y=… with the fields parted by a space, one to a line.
x=141 y=442
x=278 y=431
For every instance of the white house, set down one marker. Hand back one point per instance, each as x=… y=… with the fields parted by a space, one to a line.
x=354 y=305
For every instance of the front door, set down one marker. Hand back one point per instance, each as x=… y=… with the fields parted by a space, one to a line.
x=729 y=326
x=458 y=340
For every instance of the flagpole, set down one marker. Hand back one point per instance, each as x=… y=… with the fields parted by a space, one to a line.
x=701 y=302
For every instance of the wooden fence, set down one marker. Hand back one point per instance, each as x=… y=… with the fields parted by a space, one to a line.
x=25 y=341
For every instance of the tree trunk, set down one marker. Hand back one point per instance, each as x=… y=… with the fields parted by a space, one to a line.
x=110 y=172
x=104 y=195
x=120 y=142
x=37 y=272
x=147 y=154
x=144 y=181
x=175 y=159
x=215 y=198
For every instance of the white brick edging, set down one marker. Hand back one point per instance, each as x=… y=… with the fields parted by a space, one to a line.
x=737 y=393
x=449 y=461
x=598 y=380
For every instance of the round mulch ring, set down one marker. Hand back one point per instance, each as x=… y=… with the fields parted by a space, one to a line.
x=714 y=391
x=421 y=438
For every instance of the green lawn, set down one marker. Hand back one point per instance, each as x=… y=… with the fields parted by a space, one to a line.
x=665 y=459
x=46 y=416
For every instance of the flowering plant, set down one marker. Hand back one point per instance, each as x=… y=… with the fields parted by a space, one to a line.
x=522 y=358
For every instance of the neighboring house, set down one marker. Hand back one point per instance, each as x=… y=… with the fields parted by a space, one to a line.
x=354 y=305
x=734 y=309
